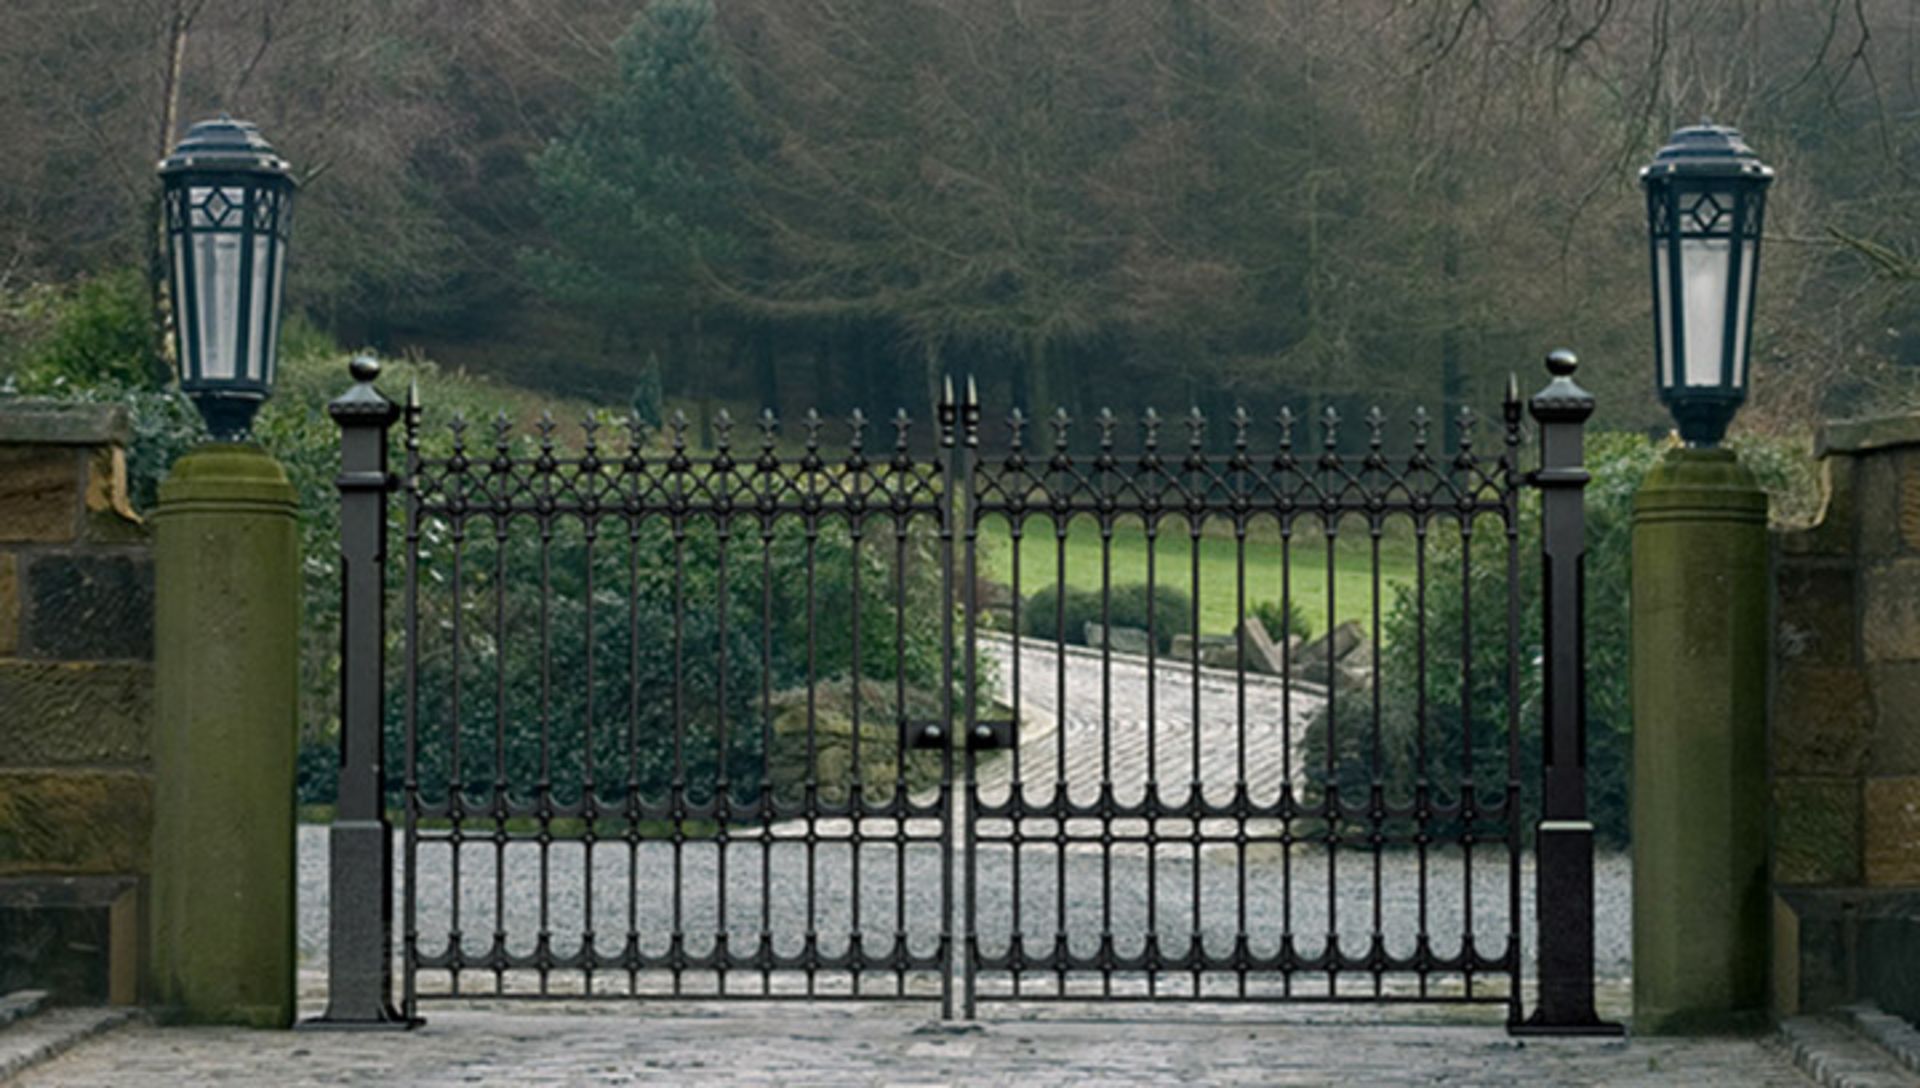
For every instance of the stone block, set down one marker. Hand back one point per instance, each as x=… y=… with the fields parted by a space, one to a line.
x=1889 y=500
x=9 y=604
x=74 y=822
x=1891 y=822
x=76 y=937
x=1831 y=534
x=65 y=713
x=90 y=607
x=1816 y=830
x=39 y=494
x=1121 y=640
x=1814 y=617
x=1823 y=720
x=1890 y=623
x=1895 y=745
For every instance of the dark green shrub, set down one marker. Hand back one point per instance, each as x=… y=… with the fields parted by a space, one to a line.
x=1275 y=618
x=96 y=334
x=1043 y=613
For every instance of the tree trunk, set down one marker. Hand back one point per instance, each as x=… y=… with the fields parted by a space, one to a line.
x=1453 y=378
x=160 y=369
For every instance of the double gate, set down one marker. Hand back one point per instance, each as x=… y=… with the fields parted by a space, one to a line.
x=750 y=721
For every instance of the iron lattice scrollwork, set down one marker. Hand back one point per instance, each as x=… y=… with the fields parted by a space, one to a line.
x=727 y=718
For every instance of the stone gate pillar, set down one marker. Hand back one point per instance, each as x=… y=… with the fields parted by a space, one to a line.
x=1699 y=679
x=226 y=630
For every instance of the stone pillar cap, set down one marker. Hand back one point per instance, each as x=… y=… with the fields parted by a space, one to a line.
x=45 y=421
x=1871 y=433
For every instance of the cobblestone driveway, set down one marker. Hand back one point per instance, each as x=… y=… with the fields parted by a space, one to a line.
x=868 y=1047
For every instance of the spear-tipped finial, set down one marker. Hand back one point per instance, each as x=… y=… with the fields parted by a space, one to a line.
x=413 y=395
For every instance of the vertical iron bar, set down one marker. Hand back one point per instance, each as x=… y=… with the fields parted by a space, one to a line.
x=949 y=412
x=1422 y=788
x=1063 y=794
x=1151 y=530
x=589 y=799
x=969 y=450
x=1018 y=792
x=1510 y=484
x=543 y=811
x=768 y=813
x=456 y=786
x=677 y=496
x=502 y=482
x=1564 y=843
x=360 y=841
x=410 y=835
x=1196 y=789
x=632 y=807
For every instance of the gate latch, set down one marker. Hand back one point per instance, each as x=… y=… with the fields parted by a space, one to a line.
x=932 y=735
x=989 y=736
x=924 y=735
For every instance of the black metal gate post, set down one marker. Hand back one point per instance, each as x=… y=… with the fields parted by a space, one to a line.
x=1563 y=903
x=360 y=842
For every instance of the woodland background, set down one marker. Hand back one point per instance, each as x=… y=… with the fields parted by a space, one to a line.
x=818 y=203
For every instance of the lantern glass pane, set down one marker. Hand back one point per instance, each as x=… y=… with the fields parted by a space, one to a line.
x=1748 y=253
x=1704 y=263
x=216 y=267
x=272 y=338
x=1663 y=309
x=257 y=301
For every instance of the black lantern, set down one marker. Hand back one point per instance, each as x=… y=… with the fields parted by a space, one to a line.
x=229 y=200
x=1706 y=195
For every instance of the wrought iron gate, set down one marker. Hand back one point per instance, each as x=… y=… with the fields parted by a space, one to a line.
x=740 y=723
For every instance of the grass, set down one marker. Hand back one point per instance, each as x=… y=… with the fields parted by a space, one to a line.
x=1353 y=582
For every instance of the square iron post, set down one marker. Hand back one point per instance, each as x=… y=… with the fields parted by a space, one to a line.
x=1563 y=844
x=360 y=842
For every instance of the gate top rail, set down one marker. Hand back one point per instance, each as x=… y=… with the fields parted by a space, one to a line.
x=636 y=476
x=1297 y=472
x=1159 y=477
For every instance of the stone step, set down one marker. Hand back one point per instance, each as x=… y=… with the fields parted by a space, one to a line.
x=1887 y=1031
x=20 y=1004
x=47 y=1033
x=1831 y=1053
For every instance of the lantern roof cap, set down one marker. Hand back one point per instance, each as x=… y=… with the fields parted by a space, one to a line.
x=223 y=143
x=1706 y=149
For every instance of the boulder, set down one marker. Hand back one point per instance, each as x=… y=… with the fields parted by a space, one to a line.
x=832 y=740
x=1121 y=640
x=1343 y=639
x=1263 y=653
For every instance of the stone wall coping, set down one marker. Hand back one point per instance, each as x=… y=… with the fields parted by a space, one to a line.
x=1870 y=433
x=44 y=421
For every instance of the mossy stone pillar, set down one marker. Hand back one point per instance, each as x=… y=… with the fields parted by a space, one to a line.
x=1699 y=664
x=226 y=624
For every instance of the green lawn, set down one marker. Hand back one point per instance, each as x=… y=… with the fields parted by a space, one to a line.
x=1219 y=585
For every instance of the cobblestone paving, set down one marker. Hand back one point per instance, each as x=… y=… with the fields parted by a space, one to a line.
x=1102 y=729
x=771 y=887
x=864 y=1046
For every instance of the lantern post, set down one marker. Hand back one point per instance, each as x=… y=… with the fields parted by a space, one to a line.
x=227 y=605
x=1699 y=610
